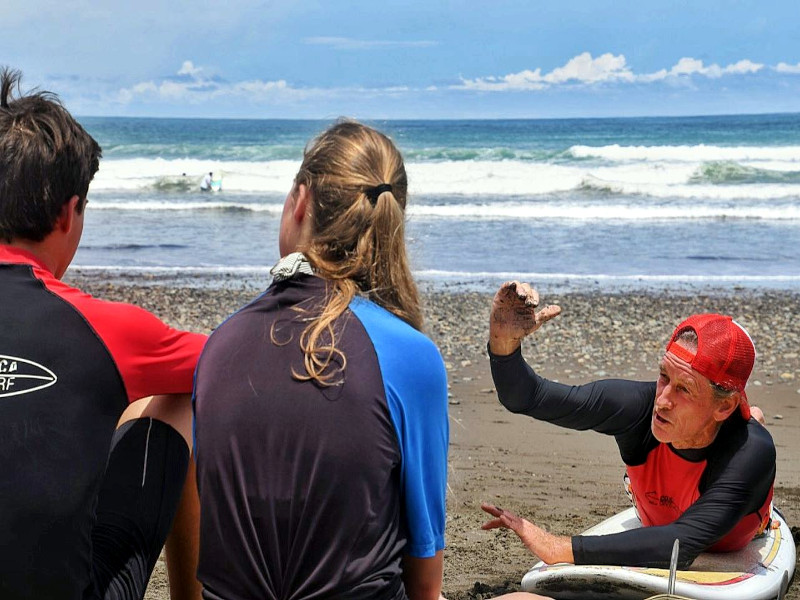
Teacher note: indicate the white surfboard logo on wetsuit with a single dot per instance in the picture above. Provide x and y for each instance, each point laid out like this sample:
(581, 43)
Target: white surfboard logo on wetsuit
(22, 376)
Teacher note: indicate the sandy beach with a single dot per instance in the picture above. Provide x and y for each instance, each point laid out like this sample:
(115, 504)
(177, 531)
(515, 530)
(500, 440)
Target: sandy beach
(561, 479)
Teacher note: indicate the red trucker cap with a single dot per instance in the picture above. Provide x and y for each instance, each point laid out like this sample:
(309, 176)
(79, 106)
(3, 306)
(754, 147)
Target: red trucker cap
(725, 352)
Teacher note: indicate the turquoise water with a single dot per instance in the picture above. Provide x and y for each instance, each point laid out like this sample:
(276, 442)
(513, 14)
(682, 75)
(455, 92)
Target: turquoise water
(644, 202)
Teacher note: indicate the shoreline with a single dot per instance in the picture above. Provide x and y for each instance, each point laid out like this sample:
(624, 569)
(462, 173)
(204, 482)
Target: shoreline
(563, 479)
(258, 278)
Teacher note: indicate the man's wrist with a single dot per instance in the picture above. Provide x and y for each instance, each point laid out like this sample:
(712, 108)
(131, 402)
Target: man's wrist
(565, 553)
(503, 346)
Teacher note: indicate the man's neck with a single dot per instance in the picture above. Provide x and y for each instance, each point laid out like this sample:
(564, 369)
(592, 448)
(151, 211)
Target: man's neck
(45, 252)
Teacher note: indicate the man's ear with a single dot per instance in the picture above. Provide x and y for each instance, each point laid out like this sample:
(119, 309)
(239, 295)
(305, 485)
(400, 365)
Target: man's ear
(66, 217)
(302, 200)
(725, 408)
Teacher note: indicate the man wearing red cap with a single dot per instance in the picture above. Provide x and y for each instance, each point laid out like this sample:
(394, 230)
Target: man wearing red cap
(699, 468)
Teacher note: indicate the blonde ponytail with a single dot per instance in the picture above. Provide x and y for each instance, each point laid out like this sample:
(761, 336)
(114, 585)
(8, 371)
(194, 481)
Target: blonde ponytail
(358, 238)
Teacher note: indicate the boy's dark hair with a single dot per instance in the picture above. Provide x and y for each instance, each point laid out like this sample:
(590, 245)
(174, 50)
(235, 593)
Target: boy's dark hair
(46, 157)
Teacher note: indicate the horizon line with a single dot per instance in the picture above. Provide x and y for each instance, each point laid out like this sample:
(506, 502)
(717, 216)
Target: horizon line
(454, 119)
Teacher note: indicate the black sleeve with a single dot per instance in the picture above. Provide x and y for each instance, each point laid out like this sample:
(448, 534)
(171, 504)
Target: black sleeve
(615, 407)
(739, 487)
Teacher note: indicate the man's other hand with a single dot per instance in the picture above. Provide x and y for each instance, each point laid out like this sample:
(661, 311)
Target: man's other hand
(548, 547)
(514, 316)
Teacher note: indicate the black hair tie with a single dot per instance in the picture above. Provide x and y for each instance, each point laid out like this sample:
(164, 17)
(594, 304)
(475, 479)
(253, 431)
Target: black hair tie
(374, 193)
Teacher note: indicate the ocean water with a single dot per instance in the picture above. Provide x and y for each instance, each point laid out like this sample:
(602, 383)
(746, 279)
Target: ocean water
(641, 203)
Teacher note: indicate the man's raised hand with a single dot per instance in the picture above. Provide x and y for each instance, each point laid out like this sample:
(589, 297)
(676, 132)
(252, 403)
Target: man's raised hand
(514, 316)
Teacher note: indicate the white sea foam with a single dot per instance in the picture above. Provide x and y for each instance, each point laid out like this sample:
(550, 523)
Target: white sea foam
(156, 205)
(459, 275)
(664, 179)
(500, 210)
(501, 178)
(696, 191)
(142, 173)
(600, 212)
(447, 177)
(536, 276)
(697, 153)
(173, 270)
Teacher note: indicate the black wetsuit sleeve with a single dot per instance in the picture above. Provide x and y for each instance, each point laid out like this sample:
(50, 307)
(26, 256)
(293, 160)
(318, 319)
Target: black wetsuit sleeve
(741, 474)
(612, 406)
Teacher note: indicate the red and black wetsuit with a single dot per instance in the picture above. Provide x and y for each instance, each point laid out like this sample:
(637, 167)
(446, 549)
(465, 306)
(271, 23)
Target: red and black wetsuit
(69, 365)
(713, 498)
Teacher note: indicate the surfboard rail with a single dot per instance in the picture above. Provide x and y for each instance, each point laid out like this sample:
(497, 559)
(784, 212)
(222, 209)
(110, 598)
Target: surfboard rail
(760, 571)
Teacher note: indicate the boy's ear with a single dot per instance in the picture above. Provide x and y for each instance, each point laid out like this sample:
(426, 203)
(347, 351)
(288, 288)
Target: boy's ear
(67, 215)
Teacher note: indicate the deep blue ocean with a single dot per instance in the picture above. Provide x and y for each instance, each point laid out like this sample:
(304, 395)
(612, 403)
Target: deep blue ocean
(576, 203)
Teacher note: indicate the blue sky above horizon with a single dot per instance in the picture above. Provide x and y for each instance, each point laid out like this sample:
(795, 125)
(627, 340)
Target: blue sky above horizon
(408, 59)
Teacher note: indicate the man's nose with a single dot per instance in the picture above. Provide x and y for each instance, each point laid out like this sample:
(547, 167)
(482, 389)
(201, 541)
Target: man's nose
(664, 399)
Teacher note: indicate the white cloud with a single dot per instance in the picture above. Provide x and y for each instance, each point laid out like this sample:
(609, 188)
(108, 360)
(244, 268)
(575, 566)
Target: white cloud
(198, 91)
(691, 66)
(343, 43)
(585, 70)
(783, 67)
(194, 87)
(195, 84)
(188, 68)
(580, 69)
(744, 66)
(687, 67)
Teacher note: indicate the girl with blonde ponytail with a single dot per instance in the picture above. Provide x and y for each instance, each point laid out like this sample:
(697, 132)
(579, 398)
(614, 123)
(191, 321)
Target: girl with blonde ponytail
(321, 409)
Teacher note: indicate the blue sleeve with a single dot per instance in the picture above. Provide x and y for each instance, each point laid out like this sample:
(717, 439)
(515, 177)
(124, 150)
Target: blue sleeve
(415, 383)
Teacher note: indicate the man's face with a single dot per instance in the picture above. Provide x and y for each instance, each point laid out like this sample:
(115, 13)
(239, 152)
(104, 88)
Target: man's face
(684, 410)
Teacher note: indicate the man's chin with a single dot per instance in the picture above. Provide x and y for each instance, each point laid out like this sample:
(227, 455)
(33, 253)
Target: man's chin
(659, 433)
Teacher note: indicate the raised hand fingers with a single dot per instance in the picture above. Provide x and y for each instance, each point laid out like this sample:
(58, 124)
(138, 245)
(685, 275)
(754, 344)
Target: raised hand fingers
(514, 290)
(528, 294)
(548, 312)
(514, 316)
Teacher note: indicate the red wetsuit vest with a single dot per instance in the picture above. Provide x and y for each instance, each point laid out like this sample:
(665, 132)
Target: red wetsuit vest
(666, 485)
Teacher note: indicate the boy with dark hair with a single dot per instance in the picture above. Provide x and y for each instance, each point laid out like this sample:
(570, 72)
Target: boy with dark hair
(91, 478)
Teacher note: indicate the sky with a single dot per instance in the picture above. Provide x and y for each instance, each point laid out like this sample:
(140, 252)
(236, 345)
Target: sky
(409, 59)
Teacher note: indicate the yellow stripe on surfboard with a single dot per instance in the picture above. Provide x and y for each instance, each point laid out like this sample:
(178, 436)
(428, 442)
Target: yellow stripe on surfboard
(703, 577)
(776, 544)
(719, 577)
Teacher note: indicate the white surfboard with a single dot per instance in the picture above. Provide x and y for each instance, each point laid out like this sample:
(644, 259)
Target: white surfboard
(760, 571)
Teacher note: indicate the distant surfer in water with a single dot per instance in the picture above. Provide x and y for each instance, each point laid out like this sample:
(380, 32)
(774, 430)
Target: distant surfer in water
(700, 464)
(94, 468)
(321, 408)
(205, 185)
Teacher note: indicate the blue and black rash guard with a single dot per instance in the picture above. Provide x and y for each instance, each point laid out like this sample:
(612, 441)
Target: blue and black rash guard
(310, 491)
(713, 498)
